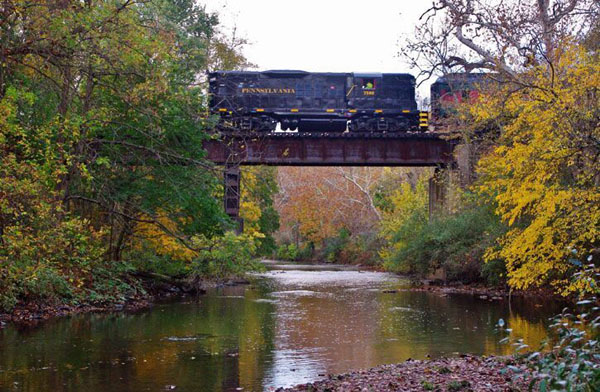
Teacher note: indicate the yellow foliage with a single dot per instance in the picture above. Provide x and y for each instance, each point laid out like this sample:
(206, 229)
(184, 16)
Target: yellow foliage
(545, 173)
(408, 210)
(250, 212)
(249, 209)
(162, 242)
(160, 236)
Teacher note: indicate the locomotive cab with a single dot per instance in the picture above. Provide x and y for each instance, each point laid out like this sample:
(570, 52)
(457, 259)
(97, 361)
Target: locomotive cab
(382, 102)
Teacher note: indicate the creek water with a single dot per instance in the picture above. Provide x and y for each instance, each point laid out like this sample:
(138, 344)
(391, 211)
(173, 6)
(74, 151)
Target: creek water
(292, 324)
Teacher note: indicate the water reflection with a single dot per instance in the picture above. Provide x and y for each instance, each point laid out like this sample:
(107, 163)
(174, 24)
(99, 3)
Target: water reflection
(287, 327)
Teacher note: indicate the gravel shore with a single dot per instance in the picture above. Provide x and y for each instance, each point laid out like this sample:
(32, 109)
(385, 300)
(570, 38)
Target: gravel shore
(466, 373)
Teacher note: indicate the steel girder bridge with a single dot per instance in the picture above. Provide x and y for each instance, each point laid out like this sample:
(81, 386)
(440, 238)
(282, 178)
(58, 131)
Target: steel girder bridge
(329, 149)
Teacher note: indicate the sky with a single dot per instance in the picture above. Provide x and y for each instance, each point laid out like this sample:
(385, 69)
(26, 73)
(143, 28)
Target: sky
(323, 35)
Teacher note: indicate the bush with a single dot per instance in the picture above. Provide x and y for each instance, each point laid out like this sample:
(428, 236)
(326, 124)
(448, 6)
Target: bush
(306, 251)
(224, 256)
(145, 259)
(287, 252)
(569, 360)
(360, 249)
(456, 243)
(57, 261)
(334, 246)
(344, 248)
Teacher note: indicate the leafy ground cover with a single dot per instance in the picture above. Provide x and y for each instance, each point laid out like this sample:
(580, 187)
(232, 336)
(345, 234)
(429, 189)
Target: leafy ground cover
(466, 373)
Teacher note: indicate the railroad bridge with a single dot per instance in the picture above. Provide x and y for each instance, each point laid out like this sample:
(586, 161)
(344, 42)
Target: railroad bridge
(331, 149)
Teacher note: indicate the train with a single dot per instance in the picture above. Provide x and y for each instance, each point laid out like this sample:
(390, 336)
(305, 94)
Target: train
(329, 102)
(454, 89)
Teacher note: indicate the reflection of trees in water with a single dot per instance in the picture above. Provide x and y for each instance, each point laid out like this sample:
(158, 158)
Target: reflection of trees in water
(233, 340)
(533, 333)
(441, 325)
(256, 341)
(340, 325)
(129, 352)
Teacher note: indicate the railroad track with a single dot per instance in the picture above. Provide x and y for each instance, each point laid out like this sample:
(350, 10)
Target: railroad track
(332, 135)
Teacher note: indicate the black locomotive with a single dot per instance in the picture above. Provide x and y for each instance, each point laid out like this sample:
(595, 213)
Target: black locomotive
(320, 102)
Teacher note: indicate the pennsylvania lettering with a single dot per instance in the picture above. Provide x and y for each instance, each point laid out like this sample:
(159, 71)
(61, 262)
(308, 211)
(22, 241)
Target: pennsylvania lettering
(258, 90)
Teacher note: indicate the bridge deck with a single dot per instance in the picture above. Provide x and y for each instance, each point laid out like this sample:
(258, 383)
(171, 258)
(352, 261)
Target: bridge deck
(331, 149)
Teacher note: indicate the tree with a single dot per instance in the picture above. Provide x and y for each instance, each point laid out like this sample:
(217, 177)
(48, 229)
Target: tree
(541, 167)
(544, 171)
(319, 202)
(505, 37)
(102, 125)
(259, 187)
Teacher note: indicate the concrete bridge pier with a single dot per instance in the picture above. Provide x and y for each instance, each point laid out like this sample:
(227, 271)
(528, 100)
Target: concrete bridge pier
(232, 178)
(439, 191)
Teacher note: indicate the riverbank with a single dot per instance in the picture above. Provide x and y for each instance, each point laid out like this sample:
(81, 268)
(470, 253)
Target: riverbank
(465, 373)
(156, 290)
(414, 283)
(159, 288)
(286, 328)
(483, 292)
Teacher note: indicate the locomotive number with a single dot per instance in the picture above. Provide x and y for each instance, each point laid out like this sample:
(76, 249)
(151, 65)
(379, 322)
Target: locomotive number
(368, 92)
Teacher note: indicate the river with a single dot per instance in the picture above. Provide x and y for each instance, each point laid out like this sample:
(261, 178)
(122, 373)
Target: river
(292, 324)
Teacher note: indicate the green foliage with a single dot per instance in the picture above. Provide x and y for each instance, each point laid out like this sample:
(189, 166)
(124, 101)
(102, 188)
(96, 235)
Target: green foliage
(456, 243)
(58, 261)
(569, 360)
(405, 214)
(259, 186)
(225, 256)
(335, 245)
(146, 259)
(287, 252)
(101, 155)
(572, 361)
(348, 248)
(494, 272)
(269, 224)
(454, 386)
(306, 251)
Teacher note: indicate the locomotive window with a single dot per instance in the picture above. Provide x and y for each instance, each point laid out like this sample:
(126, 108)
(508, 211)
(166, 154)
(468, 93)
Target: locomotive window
(368, 83)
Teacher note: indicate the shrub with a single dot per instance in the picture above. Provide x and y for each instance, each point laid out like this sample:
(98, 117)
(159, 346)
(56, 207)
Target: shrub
(360, 249)
(224, 256)
(570, 359)
(454, 242)
(306, 251)
(144, 258)
(334, 245)
(57, 261)
(287, 252)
